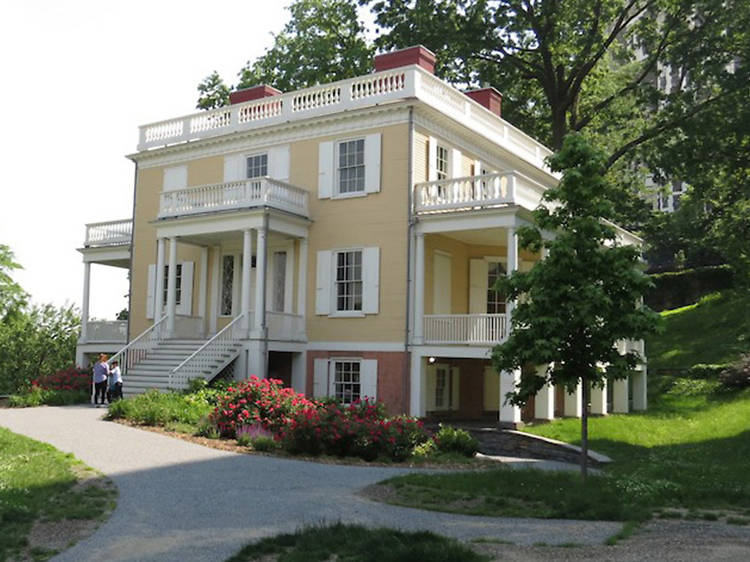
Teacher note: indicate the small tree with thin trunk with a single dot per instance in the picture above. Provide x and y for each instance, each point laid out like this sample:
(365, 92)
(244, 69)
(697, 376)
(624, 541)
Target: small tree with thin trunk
(577, 303)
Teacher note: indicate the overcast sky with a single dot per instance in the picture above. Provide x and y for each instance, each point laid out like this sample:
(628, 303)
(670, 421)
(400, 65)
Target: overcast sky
(78, 78)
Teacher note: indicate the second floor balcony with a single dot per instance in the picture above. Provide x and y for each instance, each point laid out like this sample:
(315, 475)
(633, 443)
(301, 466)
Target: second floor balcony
(234, 195)
(110, 233)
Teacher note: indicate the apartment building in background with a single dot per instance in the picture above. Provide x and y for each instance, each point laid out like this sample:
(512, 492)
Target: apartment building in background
(343, 238)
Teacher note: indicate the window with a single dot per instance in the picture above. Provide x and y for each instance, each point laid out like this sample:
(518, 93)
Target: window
(351, 166)
(495, 300)
(346, 381)
(441, 162)
(349, 281)
(441, 384)
(279, 280)
(178, 285)
(227, 285)
(257, 166)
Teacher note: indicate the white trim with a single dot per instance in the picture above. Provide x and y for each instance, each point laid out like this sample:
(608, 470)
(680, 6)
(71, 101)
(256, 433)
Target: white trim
(348, 346)
(457, 351)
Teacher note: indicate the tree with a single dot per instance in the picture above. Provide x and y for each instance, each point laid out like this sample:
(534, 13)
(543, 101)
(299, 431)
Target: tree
(577, 303)
(323, 42)
(212, 92)
(12, 296)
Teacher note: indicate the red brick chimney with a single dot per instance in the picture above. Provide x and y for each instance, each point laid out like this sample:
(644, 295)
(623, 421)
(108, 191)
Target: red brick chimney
(418, 55)
(253, 93)
(488, 97)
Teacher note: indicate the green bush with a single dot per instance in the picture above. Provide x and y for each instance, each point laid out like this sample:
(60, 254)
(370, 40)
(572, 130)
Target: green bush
(680, 288)
(737, 375)
(37, 396)
(706, 371)
(155, 408)
(264, 444)
(451, 440)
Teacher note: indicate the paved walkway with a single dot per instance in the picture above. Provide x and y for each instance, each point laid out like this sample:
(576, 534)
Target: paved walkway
(181, 501)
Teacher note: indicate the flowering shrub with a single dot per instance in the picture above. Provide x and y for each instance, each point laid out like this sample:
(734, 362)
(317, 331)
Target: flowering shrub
(72, 378)
(359, 430)
(256, 401)
(69, 386)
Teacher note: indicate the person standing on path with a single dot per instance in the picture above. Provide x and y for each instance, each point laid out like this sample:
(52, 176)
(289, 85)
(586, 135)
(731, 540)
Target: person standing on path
(115, 389)
(101, 372)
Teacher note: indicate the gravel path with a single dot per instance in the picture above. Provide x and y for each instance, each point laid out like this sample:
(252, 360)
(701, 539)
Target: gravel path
(181, 501)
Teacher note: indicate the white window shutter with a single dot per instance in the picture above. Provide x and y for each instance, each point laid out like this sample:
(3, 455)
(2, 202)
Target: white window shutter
(432, 159)
(325, 170)
(186, 289)
(235, 167)
(150, 291)
(430, 383)
(372, 163)
(477, 167)
(368, 379)
(371, 280)
(478, 286)
(278, 163)
(320, 378)
(323, 283)
(175, 178)
(455, 388)
(455, 164)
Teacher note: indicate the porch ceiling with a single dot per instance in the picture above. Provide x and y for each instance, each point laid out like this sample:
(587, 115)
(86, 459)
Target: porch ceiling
(480, 237)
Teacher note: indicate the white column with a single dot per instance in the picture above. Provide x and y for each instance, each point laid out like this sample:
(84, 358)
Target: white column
(416, 385)
(202, 289)
(419, 290)
(620, 396)
(215, 279)
(573, 404)
(159, 282)
(639, 381)
(247, 243)
(599, 400)
(544, 401)
(172, 287)
(260, 280)
(512, 265)
(302, 279)
(510, 415)
(85, 302)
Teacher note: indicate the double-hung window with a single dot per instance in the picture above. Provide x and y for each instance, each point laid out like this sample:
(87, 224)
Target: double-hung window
(441, 162)
(495, 299)
(257, 166)
(178, 284)
(227, 285)
(348, 290)
(351, 166)
(347, 386)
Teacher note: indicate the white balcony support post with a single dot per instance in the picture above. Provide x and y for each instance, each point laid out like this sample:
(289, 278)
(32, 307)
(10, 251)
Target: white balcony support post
(544, 401)
(417, 385)
(510, 414)
(639, 382)
(171, 287)
(599, 399)
(620, 396)
(573, 403)
(85, 302)
(419, 275)
(246, 259)
(202, 289)
(512, 265)
(159, 282)
(302, 279)
(260, 281)
(215, 274)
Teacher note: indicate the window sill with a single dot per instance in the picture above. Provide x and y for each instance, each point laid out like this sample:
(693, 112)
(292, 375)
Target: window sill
(347, 314)
(351, 195)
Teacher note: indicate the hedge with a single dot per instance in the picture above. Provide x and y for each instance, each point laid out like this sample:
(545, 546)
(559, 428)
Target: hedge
(681, 288)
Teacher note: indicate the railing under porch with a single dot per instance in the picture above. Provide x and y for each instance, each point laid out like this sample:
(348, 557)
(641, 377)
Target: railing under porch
(468, 329)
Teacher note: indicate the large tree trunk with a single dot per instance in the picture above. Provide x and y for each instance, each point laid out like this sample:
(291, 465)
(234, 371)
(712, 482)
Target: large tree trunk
(584, 427)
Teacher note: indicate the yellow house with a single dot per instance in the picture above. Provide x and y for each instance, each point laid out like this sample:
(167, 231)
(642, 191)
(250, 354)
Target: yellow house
(343, 238)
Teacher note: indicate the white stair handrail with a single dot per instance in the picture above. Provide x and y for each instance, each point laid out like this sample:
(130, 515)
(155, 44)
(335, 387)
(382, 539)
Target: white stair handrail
(137, 349)
(207, 353)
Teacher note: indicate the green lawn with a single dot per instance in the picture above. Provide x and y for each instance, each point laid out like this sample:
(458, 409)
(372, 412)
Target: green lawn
(37, 483)
(714, 330)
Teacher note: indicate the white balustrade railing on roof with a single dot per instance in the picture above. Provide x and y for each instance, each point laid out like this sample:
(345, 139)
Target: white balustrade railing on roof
(471, 329)
(110, 233)
(136, 350)
(410, 82)
(211, 356)
(115, 331)
(234, 195)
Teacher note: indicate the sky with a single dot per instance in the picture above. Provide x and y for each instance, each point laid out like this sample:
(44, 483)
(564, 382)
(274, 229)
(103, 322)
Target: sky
(77, 79)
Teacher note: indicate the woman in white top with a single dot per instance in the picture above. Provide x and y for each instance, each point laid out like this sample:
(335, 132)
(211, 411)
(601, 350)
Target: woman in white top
(116, 387)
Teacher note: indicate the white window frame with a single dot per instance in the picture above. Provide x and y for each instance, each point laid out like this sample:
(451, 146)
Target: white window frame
(324, 376)
(337, 193)
(333, 383)
(440, 173)
(236, 281)
(335, 311)
(247, 164)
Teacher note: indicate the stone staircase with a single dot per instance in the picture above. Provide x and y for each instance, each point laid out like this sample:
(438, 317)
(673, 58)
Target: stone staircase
(153, 371)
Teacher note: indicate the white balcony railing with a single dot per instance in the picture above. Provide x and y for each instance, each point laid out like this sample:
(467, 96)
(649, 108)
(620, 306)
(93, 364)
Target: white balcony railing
(477, 192)
(115, 331)
(471, 329)
(110, 233)
(285, 326)
(234, 195)
(410, 82)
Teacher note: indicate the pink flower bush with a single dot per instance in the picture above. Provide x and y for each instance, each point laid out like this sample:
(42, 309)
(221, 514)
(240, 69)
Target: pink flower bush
(72, 378)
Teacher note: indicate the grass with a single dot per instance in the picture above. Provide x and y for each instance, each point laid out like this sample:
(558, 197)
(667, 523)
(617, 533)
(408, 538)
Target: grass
(37, 397)
(37, 483)
(355, 543)
(723, 334)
